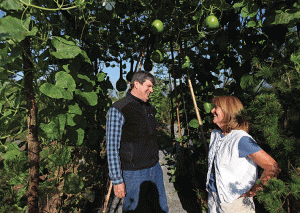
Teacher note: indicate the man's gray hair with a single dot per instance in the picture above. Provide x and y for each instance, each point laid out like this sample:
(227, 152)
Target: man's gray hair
(141, 77)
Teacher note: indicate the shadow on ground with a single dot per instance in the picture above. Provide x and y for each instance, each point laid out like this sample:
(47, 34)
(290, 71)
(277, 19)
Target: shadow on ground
(187, 196)
(187, 177)
(148, 199)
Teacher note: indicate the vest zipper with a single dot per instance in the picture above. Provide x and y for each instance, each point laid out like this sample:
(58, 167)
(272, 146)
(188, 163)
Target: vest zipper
(131, 154)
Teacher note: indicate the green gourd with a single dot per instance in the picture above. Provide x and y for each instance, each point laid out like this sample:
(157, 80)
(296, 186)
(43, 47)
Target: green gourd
(121, 83)
(130, 73)
(157, 56)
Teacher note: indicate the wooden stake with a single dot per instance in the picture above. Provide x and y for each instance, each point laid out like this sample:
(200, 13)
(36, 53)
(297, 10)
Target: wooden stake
(140, 67)
(177, 106)
(197, 112)
(107, 197)
(195, 106)
(141, 53)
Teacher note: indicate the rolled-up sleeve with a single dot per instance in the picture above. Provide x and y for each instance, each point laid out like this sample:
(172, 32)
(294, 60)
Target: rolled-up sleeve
(114, 123)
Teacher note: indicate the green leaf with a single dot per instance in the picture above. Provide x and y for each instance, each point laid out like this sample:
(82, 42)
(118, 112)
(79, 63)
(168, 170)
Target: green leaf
(18, 179)
(186, 64)
(225, 6)
(75, 135)
(51, 90)
(80, 4)
(73, 115)
(55, 128)
(247, 81)
(11, 5)
(3, 73)
(89, 98)
(72, 183)
(238, 5)
(173, 179)
(61, 156)
(11, 155)
(86, 78)
(244, 11)
(285, 18)
(2, 148)
(101, 76)
(66, 68)
(65, 48)
(252, 9)
(194, 123)
(13, 27)
(4, 49)
(168, 156)
(65, 80)
(55, 92)
(251, 24)
(75, 109)
(33, 32)
(295, 58)
(85, 56)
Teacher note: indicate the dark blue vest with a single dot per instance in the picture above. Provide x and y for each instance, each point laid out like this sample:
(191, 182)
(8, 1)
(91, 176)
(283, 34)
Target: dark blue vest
(138, 148)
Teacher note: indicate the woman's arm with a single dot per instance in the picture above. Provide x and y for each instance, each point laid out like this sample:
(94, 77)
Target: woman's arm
(270, 167)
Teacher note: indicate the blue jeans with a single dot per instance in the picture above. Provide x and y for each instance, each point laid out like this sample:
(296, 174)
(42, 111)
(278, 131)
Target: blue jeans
(145, 190)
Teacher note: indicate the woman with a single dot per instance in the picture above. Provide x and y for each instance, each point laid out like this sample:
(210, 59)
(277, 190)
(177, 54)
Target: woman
(232, 160)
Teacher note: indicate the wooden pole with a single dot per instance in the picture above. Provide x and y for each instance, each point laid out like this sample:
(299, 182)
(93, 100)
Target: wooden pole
(171, 114)
(107, 197)
(196, 107)
(197, 112)
(141, 64)
(176, 94)
(142, 53)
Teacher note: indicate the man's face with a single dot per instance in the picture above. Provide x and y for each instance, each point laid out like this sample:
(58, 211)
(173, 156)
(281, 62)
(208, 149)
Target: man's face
(144, 90)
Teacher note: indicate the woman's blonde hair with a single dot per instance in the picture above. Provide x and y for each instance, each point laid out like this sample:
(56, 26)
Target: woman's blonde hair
(232, 108)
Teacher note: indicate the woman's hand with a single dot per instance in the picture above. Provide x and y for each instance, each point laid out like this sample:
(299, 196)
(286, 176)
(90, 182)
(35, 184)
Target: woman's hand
(270, 167)
(253, 191)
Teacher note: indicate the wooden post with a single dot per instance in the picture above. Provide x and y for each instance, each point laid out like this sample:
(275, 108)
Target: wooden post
(176, 94)
(107, 197)
(196, 107)
(197, 112)
(142, 53)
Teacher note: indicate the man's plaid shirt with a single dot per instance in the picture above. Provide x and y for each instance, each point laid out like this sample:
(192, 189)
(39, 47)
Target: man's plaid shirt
(114, 123)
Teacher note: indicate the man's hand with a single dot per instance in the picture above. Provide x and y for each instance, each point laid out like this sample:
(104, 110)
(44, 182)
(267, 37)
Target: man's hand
(119, 190)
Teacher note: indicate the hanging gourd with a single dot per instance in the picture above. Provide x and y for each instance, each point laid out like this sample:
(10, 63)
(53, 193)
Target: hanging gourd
(148, 63)
(157, 56)
(121, 83)
(130, 73)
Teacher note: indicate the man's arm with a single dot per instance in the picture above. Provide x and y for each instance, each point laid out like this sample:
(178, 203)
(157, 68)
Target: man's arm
(114, 123)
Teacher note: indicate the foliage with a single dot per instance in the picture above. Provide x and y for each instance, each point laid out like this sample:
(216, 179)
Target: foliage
(160, 100)
(253, 55)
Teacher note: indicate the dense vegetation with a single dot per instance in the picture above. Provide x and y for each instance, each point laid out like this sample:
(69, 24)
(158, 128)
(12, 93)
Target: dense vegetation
(56, 111)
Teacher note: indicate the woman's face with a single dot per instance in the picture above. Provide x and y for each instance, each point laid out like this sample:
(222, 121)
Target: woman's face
(218, 115)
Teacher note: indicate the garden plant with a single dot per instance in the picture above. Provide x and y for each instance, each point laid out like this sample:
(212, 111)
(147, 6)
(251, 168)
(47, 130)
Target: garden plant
(54, 90)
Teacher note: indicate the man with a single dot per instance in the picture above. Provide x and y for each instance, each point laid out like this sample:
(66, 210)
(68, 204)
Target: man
(132, 150)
